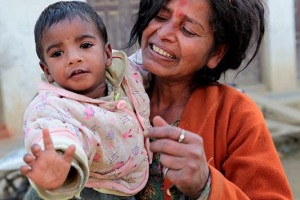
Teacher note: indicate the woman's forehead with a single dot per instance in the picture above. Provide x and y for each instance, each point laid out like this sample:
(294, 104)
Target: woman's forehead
(182, 2)
(196, 11)
(180, 6)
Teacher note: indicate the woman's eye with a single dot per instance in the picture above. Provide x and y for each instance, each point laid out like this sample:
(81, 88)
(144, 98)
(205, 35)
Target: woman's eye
(187, 32)
(56, 53)
(86, 45)
(160, 18)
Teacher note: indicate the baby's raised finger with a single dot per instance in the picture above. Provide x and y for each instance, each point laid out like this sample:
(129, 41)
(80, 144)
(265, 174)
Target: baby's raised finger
(47, 140)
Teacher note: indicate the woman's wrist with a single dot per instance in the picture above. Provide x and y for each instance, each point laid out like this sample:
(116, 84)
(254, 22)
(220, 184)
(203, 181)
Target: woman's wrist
(201, 195)
(206, 191)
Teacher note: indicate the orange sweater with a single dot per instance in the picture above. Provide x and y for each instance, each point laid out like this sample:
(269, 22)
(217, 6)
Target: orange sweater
(245, 164)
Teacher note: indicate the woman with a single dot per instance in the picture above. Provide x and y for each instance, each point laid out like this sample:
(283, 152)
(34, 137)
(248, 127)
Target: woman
(218, 146)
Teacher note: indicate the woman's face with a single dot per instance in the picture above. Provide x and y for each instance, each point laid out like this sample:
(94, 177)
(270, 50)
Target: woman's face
(179, 40)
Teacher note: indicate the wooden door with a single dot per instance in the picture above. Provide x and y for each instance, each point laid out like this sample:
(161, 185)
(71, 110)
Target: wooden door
(118, 18)
(297, 27)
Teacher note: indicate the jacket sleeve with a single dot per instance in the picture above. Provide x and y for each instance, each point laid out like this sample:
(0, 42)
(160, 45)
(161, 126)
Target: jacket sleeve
(45, 114)
(251, 168)
(243, 160)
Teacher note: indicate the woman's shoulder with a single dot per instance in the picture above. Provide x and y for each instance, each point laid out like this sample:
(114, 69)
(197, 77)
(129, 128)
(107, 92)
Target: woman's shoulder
(222, 92)
(222, 96)
(237, 96)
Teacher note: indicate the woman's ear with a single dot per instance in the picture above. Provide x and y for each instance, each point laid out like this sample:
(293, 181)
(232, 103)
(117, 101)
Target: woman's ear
(46, 71)
(217, 55)
(108, 54)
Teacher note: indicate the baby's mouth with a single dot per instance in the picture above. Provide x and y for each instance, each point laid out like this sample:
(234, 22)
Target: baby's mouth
(161, 52)
(78, 72)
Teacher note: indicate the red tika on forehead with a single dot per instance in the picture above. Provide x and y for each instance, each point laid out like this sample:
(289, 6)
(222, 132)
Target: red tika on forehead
(182, 3)
(179, 12)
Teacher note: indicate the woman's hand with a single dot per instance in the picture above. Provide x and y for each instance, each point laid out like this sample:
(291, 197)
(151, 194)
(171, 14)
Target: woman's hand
(47, 168)
(184, 162)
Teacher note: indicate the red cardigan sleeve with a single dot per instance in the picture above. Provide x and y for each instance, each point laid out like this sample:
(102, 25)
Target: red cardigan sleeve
(244, 162)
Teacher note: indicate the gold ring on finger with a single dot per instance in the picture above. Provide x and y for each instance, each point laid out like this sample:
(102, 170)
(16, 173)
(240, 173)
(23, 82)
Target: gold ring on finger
(181, 136)
(166, 171)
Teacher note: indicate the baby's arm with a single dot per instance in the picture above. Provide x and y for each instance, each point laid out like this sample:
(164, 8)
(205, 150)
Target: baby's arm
(47, 168)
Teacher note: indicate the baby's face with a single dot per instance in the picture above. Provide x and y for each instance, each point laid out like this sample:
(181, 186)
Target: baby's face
(76, 56)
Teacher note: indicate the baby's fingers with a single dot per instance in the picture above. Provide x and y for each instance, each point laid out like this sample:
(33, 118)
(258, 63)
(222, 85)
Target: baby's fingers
(47, 140)
(36, 150)
(25, 170)
(29, 159)
(69, 153)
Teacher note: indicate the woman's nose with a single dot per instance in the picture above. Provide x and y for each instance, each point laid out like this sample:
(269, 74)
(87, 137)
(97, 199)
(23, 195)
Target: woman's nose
(167, 31)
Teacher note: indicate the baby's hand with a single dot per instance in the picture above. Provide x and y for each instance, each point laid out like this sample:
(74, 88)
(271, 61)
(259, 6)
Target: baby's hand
(48, 169)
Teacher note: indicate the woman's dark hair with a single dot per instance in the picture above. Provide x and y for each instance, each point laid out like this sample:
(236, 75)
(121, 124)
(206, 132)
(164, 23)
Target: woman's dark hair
(240, 24)
(60, 11)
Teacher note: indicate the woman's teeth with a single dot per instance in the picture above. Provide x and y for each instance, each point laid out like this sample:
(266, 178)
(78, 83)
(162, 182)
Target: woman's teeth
(161, 52)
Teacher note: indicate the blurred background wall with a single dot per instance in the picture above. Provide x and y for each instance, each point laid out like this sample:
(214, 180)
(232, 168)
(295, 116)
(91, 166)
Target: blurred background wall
(19, 69)
(276, 68)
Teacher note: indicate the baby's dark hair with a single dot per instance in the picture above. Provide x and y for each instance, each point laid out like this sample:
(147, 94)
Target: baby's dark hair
(239, 24)
(63, 10)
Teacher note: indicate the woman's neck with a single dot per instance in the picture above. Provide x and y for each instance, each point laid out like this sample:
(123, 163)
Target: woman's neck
(168, 99)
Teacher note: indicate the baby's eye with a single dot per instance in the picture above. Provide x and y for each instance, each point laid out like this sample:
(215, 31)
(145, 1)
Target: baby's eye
(56, 53)
(86, 45)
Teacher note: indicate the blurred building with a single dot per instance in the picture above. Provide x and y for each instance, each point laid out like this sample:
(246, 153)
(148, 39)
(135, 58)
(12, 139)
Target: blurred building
(276, 68)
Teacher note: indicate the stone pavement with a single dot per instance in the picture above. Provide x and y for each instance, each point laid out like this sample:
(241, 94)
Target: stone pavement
(291, 165)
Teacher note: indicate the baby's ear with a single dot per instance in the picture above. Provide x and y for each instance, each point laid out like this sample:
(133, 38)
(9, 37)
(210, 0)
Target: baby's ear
(46, 71)
(108, 54)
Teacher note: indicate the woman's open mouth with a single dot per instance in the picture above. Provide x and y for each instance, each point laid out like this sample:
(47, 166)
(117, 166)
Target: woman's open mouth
(161, 51)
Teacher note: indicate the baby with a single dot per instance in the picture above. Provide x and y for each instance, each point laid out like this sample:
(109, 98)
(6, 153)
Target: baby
(84, 129)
